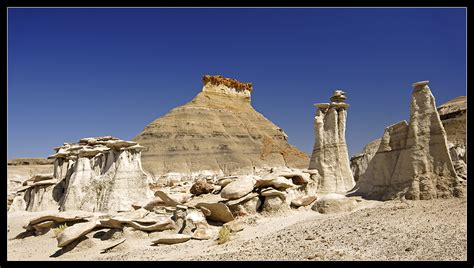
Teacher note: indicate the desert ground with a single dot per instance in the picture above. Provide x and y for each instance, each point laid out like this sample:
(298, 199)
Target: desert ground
(391, 230)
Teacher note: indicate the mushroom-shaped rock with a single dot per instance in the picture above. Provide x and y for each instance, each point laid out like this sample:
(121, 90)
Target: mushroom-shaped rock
(238, 188)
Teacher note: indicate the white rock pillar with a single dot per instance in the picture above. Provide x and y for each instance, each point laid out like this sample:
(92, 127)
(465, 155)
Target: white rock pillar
(330, 155)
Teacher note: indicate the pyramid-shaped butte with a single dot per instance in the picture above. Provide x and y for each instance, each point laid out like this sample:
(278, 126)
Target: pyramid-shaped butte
(218, 131)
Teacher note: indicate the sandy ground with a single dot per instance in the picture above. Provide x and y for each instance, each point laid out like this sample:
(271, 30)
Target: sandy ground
(416, 230)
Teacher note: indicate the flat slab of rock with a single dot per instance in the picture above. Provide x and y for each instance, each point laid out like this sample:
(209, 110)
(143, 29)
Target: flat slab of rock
(164, 223)
(60, 217)
(273, 192)
(238, 188)
(334, 205)
(132, 215)
(303, 200)
(242, 199)
(275, 182)
(298, 178)
(220, 212)
(173, 199)
(72, 233)
(170, 239)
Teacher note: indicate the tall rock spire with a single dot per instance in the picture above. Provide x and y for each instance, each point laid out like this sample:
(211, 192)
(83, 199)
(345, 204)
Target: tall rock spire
(330, 156)
(413, 159)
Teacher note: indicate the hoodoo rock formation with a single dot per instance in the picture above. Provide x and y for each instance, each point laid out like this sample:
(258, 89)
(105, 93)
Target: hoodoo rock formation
(453, 117)
(330, 156)
(412, 159)
(96, 174)
(216, 132)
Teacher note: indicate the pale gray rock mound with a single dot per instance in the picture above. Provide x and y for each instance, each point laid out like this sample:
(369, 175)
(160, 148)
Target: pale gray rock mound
(218, 131)
(330, 155)
(360, 161)
(413, 158)
(334, 204)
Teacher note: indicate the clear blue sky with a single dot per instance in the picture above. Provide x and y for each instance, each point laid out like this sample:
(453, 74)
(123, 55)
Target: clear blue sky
(76, 73)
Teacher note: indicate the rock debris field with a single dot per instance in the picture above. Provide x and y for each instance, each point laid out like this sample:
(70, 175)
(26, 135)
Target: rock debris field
(392, 230)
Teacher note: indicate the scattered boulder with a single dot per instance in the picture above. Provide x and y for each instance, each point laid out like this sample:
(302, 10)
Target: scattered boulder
(219, 212)
(334, 203)
(274, 203)
(246, 205)
(238, 188)
(201, 186)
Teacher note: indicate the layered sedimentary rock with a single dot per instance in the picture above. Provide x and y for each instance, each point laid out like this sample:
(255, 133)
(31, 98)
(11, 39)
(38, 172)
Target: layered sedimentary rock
(412, 159)
(96, 174)
(216, 132)
(453, 117)
(330, 156)
(360, 161)
(22, 169)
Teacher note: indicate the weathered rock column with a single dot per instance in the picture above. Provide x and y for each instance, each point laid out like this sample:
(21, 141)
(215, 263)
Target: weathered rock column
(330, 156)
(413, 158)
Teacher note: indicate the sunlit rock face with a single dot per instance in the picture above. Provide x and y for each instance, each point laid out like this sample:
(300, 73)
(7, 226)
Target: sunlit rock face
(453, 116)
(218, 132)
(96, 174)
(413, 158)
(330, 155)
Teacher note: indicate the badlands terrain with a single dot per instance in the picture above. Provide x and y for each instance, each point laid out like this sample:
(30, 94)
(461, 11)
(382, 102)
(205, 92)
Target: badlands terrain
(219, 181)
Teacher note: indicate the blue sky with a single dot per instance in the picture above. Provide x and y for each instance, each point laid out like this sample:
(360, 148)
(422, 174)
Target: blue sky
(76, 73)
